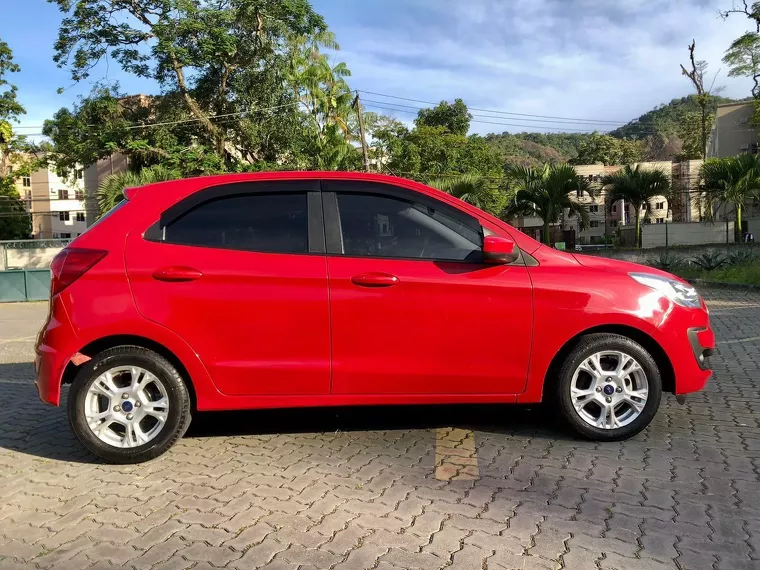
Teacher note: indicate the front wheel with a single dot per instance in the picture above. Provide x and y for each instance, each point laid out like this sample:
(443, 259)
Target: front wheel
(128, 405)
(609, 387)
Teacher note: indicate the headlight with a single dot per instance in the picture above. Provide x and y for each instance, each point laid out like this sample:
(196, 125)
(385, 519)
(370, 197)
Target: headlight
(678, 292)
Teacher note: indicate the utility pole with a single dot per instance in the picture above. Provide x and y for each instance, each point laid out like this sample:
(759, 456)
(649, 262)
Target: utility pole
(358, 106)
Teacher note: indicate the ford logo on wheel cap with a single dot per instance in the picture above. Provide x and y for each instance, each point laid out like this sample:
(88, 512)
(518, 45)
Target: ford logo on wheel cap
(609, 389)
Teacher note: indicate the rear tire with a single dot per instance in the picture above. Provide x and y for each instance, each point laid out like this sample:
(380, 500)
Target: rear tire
(128, 405)
(609, 387)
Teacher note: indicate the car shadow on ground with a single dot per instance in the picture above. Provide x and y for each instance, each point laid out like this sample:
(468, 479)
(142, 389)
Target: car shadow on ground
(31, 427)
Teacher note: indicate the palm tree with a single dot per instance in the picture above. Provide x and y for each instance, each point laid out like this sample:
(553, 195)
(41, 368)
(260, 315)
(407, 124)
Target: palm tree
(473, 189)
(638, 187)
(546, 192)
(734, 179)
(111, 189)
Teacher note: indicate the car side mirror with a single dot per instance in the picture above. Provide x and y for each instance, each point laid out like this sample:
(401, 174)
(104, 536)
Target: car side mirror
(499, 250)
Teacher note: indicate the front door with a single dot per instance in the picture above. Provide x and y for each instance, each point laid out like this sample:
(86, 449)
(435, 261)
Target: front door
(239, 272)
(413, 309)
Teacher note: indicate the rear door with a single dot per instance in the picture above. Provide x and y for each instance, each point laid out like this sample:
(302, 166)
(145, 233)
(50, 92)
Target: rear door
(414, 310)
(239, 272)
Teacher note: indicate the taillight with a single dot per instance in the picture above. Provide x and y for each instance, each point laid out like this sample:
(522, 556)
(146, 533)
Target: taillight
(70, 264)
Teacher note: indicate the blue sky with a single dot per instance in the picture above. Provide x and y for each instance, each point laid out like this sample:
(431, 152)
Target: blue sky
(601, 59)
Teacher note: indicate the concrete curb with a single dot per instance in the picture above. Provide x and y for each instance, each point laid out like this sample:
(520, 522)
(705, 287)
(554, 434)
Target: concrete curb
(724, 285)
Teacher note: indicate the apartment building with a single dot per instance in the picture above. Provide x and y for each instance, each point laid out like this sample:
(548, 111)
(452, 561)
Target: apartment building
(56, 205)
(64, 207)
(733, 133)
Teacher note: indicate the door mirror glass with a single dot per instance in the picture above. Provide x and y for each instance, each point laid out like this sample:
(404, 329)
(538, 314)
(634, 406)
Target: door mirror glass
(499, 250)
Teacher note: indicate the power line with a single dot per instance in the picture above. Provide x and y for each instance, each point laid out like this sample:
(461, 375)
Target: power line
(494, 110)
(489, 116)
(493, 122)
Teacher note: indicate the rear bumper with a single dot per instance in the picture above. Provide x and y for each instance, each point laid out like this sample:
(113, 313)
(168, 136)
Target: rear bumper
(56, 343)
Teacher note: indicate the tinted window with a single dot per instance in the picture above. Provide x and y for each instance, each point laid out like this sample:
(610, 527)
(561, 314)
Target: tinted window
(255, 222)
(382, 226)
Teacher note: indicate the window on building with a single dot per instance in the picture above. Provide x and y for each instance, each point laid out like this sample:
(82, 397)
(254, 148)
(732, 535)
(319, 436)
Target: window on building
(26, 181)
(79, 194)
(660, 220)
(63, 194)
(64, 216)
(594, 223)
(384, 226)
(80, 216)
(274, 223)
(590, 176)
(56, 235)
(659, 206)
(28, 194)
(579, 193)
(614, 208)
(65, 235)
(594, 208)
(79, 174)
(613, 223)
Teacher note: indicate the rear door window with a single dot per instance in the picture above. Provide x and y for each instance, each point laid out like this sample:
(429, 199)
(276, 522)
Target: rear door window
(269, 223)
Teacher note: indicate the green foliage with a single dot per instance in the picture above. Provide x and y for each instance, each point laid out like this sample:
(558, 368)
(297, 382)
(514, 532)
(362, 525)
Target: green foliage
(709, 261)
(741, 257)
(474, 189)
(10, 108)
(665, 262)
(455, 117)
(666, 118)
(546, 192)
(230, 58)
(15, 222)
(743, 59)
(689, 130)
(609, 150)
(637, 186)
(532, 149)
(734, 180)
(111, 190)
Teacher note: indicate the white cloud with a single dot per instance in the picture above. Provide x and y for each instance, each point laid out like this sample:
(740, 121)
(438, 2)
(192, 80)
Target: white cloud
(577, 58)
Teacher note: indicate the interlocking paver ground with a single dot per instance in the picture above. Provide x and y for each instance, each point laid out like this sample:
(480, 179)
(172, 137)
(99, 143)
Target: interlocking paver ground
(357, 488)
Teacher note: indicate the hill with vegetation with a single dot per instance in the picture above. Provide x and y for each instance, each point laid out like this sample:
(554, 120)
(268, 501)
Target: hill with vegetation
(662, 128)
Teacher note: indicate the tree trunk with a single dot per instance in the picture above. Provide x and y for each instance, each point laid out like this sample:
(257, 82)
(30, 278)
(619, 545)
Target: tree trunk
(638, 225)
(738, 224)
(547, 239)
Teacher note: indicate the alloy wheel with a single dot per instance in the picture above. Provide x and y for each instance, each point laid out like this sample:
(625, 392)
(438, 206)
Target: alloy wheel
(126, 406)
(609, 389)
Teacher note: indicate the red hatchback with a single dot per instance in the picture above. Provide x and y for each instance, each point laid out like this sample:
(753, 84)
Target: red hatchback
(330, 288)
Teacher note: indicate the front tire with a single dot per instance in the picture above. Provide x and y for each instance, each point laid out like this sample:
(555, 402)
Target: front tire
(609, 387)
(128, 405)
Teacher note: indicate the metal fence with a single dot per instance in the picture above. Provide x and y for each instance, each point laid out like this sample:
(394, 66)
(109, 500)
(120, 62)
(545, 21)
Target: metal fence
(24, 285)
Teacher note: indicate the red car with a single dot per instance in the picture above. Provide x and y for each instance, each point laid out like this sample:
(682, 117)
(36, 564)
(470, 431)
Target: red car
(295, 289)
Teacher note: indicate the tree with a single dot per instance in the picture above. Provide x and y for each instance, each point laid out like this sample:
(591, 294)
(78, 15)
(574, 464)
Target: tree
(474, 189)
(734, 180)
(204, 52)
(455, 117)
(697, 77)
(689, 131)
(546, 192)
(637, 186)
(14, 219)
(609, 150)
(743, 59)
(111, 189)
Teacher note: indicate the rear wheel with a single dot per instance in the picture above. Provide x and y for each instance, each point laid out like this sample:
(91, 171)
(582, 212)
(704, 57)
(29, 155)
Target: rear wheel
(128, 405)
(609, 387)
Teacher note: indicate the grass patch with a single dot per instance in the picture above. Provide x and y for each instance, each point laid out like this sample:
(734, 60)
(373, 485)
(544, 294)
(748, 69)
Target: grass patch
(746, 274)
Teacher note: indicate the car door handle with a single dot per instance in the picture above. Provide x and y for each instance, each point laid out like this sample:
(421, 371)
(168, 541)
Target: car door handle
(374, 280)
(177, 274)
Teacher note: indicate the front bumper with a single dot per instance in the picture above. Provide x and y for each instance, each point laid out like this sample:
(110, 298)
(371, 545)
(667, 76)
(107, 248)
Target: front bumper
(702, 341)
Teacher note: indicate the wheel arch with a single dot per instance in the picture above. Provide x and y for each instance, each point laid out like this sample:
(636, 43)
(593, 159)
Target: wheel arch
(104, 343)
(661, 358)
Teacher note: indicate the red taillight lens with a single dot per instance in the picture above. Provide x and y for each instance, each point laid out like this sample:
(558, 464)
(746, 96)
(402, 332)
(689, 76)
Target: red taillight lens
(70, 265)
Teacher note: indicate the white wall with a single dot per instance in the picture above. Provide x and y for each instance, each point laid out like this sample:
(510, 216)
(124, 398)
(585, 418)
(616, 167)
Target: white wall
(683, 233)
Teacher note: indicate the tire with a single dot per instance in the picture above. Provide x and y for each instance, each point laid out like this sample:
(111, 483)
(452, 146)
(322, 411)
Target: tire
(623, 395)
(162, 394)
